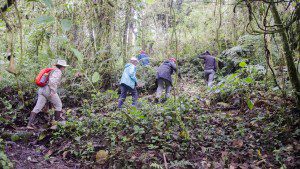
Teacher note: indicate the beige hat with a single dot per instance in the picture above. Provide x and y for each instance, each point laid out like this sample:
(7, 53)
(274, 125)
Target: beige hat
(134, 59)
(62, 63)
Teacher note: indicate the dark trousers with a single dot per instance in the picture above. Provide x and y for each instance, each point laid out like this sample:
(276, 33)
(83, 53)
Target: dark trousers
(124, 89)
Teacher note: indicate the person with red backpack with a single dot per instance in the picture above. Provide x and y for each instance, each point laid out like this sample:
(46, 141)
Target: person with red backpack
(48, 81)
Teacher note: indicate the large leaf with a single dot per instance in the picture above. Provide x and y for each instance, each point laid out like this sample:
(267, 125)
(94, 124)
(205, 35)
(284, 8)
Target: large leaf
(44, 19)
(242, 64)
(95, 77)
(48, 3)
(250, 104)
(150, 1)
(78, 54)
(66, 24)
(248, 80)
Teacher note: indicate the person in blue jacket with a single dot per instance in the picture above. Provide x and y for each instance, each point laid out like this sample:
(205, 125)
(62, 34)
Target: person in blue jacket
(143, 58)
(129, 82)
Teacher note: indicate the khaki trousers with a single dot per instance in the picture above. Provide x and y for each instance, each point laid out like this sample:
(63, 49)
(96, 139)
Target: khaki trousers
(43, 97)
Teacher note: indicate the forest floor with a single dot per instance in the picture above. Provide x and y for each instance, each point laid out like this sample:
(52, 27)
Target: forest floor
(250, 147)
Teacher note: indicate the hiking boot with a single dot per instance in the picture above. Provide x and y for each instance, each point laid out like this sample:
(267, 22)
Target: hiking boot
(30, 124)
(57, 116)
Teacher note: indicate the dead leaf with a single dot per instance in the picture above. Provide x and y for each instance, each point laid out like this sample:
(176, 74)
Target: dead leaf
(65, 154)
(238, 143)
(32, 160)
(101, 156)
(54, 127)
(224, 155)
(222, 104)
(49, 153)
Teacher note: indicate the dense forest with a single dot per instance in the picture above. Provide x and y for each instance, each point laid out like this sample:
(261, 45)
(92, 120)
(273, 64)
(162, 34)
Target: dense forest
(230, 69)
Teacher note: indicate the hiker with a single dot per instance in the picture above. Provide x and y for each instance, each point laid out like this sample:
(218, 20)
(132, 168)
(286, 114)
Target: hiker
(143, 58)
(129, 82)
(164, 78)
(49, 93)
(210, 67)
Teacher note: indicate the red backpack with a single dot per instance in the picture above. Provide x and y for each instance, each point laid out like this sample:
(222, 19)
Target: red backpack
(43, 77)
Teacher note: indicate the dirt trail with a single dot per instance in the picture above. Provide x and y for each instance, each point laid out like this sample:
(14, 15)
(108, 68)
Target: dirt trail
(28, 155)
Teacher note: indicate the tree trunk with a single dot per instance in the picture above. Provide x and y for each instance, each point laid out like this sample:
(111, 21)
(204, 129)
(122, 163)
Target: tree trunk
(288, 54)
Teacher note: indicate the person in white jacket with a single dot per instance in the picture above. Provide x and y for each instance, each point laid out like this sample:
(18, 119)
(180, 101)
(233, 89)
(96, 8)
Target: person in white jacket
(49, 93)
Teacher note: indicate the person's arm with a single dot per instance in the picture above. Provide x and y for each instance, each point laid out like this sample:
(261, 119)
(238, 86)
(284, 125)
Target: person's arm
(173, 66)
(132, 73)
(215, 64)
(200, 56)
(54, 80)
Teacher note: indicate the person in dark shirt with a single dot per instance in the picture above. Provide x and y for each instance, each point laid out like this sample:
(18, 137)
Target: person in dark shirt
(164, 77)
(210, 67)
(143, 58)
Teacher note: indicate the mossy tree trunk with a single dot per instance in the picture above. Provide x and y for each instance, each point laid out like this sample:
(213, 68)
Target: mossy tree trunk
(294, 78)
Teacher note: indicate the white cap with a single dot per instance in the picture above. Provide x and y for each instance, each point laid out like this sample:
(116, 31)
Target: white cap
(62, 63)
(134, 59)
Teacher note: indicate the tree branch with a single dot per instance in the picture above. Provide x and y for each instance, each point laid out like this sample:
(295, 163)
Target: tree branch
(6, 6)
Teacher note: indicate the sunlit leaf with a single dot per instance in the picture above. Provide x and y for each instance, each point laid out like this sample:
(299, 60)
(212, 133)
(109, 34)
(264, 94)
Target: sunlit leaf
(95, 77)
(44, 19)
(150, 1)
(66, 24)
(248, 80)
(78, 54)
(242, 64)
(250, 104)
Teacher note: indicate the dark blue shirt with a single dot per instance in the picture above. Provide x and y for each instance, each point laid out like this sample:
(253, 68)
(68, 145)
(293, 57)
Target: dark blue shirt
(144, 59)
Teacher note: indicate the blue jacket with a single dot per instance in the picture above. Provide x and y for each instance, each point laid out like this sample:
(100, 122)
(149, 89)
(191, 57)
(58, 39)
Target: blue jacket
(129, 76)
(144, 58)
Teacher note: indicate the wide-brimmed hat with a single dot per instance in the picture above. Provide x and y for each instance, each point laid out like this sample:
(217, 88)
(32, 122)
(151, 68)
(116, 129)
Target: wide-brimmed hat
(134, 59)
(62, 63)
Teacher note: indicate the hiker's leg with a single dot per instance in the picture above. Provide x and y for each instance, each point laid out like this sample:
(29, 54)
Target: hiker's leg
(122, 95)
(39, 104)
(134, 94)
(57, 104)
(37, 108)
(206, 75)
(168, 88)
(211, 78)
(160, 87)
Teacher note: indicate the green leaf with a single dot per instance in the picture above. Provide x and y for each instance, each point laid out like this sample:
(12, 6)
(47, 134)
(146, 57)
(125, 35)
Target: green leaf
(150, 2)
(15, 138)
(248, 80)
(250, 104)
(44, 19)
(242, 64)
(95, 77)
(78, 54)
(48, 3)
(66, 24)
